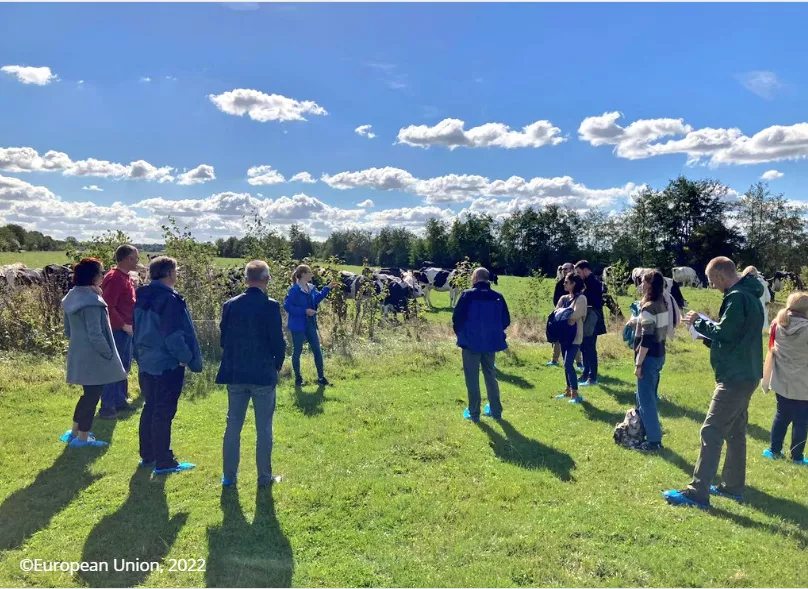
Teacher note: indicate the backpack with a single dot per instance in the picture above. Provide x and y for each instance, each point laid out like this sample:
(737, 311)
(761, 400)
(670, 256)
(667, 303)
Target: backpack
(630, 432)
(558, 330)
(629, 331)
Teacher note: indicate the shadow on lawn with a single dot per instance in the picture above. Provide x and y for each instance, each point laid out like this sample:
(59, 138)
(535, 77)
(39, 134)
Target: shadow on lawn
(243, 554)
(515, 380)
(668, 408)
(140, 529)
(31, 509)
(515, 448)
(310, 404)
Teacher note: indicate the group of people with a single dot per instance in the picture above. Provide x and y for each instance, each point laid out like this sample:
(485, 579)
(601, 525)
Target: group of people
(736, 356)
(108, 323)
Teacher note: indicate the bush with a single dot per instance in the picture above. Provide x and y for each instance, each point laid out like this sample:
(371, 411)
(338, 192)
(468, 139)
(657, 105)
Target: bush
(31, 319)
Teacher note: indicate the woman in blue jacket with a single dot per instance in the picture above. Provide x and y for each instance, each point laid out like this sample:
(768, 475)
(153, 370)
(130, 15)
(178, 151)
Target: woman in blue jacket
(301, 305)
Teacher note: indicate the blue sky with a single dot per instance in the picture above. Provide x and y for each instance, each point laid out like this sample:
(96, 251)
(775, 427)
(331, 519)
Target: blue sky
(715, 67)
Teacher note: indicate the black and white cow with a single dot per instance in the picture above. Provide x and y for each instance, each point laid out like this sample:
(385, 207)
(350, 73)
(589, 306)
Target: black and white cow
(398, 292)
(437, 279)
(778, 280)
(397, 272)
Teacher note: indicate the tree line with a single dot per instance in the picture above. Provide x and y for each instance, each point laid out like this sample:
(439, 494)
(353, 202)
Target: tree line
(686, 223)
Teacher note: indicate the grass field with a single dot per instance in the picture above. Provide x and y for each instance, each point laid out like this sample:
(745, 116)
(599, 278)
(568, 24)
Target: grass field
(386, 484)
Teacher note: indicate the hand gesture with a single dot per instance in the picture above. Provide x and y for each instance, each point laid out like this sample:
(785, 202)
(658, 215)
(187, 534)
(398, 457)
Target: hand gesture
(333, 284)
(690, 318)
(127, 329)
(638, 372)
(310, 312)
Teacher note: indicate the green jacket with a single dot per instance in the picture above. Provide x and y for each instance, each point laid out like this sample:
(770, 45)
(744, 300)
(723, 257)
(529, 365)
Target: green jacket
(736, 350)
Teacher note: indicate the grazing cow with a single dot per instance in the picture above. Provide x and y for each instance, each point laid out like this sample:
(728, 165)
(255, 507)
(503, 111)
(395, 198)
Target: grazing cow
(397, 272)
(778, 280)
(671, 285)
(439, 280)
(686, 276)
(399, 292)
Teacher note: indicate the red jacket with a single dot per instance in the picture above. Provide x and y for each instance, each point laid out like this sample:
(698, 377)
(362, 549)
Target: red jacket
(119, 294)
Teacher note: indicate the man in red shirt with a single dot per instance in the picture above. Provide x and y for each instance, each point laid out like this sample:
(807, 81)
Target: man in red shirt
(119, 294)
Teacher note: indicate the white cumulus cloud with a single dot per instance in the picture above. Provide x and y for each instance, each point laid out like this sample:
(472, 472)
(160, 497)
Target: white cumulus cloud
(642, 139)
(772, 175)
(304, 177)
(39, 76)
(199, 175)
(261, 175)
(451, 133)
(458, 188)
(365, 131)
(764, 84)
(365, 204)
(264, 107)
(92, 188)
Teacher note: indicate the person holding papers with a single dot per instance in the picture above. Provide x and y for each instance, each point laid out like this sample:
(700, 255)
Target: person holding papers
(736, 356)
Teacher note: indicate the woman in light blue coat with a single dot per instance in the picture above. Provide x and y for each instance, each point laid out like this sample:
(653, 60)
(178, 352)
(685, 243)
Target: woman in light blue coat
(92, 359)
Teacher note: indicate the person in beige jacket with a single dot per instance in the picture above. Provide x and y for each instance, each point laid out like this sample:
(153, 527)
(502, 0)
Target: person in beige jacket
(786, 373)
(573, 286)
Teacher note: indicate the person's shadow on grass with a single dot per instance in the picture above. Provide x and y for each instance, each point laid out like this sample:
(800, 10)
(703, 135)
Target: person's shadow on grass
(140, 529)
(310, 404)
(515, 448)
(515, 380)
(31, 509)
(243, 554)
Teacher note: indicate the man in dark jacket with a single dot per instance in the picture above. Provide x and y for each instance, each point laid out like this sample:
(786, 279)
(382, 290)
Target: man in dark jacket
(253, 352)
(594, 325)
(165, 344)
(559, 292)
(736, 356)
(479, 321)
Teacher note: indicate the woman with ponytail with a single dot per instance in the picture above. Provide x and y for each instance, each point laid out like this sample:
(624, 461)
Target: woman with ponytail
(786, 373)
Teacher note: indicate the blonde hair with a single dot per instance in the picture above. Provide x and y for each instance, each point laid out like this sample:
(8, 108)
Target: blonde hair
(300, 271)
(723, 266)
(797, 303)
(750, 270)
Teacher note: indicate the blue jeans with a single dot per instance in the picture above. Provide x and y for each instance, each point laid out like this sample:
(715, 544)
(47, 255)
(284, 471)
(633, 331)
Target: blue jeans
(796, 413)
(589, 351)
(301, 337)
(263, 398)
(472, 361)
(647, 397)
(568, 352)
(114, 394)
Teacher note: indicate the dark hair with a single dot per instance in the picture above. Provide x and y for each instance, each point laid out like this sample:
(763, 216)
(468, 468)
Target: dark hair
(124, 251)
(583, 265)
(86, 271)
(577, 281)
(161, 267)
(657, 283)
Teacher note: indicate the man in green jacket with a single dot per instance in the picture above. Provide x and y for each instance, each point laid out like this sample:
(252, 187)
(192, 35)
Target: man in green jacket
(736, 356)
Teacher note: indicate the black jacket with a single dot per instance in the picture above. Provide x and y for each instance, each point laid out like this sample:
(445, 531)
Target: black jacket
(252, 340)
(480, 319)
(559, 292)
(593, 290)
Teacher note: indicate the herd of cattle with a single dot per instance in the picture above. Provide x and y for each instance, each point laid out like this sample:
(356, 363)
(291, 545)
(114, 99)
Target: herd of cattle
(396, 286)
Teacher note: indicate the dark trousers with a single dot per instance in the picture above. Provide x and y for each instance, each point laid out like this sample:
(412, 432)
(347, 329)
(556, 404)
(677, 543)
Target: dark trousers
(85, 408)
(115, 393)
(589, 350)
(794, 412)
(301, 337)
(569, 353)
(472, 362)
(726, 421)
(161, 394)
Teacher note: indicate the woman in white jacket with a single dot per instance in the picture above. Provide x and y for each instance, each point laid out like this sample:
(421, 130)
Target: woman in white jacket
(786, 372)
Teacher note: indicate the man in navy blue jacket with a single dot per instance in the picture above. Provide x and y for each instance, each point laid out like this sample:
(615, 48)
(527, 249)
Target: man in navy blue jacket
(253, 353)
(165, 343)
(479, 320)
